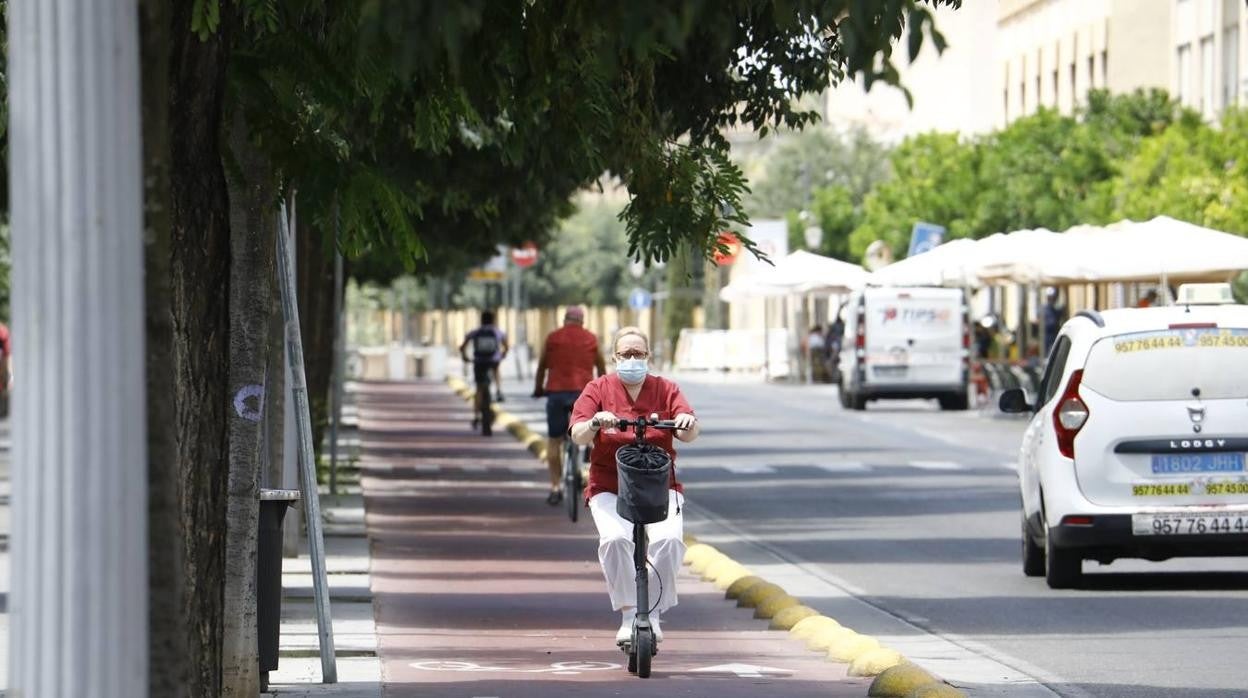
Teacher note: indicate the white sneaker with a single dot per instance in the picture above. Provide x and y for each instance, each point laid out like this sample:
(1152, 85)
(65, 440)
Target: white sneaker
(625, 633)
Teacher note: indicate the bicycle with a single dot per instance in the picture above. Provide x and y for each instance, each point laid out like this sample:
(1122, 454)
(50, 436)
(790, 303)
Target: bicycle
(573, 483)
(483, 410)
(642, 646)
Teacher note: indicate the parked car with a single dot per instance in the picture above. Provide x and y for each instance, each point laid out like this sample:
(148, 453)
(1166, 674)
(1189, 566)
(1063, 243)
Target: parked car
(905, 342)
(1137, 443)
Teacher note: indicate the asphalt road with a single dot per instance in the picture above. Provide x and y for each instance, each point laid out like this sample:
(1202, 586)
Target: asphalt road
(902, 522)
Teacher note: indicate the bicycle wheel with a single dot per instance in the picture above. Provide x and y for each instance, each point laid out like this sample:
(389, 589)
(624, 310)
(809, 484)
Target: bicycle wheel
(570, 479)
(487, 415)
(643, 647)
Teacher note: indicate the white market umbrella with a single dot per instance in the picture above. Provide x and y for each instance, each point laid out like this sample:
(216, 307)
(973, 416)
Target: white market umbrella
(945, 264)
(1161, 249)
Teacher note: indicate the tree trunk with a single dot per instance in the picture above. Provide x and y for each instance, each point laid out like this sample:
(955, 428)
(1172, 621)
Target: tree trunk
(200, 311)
(316, 316)
(168, 668)
(253, 255)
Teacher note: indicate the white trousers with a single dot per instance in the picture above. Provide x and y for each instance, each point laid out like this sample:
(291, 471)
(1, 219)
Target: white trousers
(615, 551)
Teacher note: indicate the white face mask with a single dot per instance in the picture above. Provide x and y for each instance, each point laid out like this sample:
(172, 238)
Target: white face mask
(632, 371)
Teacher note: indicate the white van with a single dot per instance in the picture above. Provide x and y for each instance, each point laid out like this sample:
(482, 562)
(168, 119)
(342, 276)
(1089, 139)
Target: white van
(905, 342)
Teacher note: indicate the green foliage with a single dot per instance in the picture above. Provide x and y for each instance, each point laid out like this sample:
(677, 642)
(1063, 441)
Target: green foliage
(586, 261)
(801, 163)
(935, 179)
(1192, 172)
(1043, 170)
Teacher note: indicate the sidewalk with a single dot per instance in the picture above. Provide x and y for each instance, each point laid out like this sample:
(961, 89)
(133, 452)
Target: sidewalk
(479, 588)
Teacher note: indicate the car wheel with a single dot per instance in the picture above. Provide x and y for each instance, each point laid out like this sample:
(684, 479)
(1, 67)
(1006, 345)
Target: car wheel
(1033, 555)
(843, 394)
(1063, 569)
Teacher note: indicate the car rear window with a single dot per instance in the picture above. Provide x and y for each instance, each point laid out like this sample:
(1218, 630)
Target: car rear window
(1168, 364)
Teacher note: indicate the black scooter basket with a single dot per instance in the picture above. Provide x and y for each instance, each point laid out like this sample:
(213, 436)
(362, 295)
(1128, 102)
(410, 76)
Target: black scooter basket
(645, 474)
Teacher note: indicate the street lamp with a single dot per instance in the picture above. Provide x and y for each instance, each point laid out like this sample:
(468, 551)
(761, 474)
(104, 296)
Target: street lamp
(814, 237)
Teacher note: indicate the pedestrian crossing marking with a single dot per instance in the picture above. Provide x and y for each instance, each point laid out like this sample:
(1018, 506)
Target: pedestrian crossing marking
(934, 465)
(751, 469)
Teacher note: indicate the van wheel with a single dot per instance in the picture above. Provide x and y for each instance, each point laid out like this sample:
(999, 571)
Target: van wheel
(857, 401)
(1063, 569)
(843, 394)
(1033, 555)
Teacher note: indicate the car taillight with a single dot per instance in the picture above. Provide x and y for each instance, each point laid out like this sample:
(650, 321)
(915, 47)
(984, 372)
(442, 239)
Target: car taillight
(1070, 416)
(861, 340)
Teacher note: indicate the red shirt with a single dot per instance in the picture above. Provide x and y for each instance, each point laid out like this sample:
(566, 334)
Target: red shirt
(658, 395)
(571, 353)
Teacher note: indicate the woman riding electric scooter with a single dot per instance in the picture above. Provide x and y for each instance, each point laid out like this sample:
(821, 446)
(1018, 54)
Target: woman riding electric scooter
(631, 393)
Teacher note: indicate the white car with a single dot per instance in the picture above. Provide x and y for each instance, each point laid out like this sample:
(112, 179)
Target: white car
(1137, 443)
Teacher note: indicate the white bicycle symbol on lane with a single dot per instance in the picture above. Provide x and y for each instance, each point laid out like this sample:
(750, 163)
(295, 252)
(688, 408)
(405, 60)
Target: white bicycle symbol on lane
(562, 668)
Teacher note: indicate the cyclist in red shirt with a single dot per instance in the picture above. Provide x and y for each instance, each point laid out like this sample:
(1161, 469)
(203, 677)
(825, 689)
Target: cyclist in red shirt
(629, 393)
(570, 359)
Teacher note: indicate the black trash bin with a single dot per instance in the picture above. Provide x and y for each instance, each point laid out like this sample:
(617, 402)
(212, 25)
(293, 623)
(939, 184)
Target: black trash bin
(273, 504)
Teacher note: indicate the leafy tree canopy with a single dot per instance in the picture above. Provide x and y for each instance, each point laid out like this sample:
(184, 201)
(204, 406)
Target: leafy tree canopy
(473, 122)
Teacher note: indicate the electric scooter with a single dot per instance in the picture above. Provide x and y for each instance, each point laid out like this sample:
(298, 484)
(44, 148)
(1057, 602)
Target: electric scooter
(642, 645)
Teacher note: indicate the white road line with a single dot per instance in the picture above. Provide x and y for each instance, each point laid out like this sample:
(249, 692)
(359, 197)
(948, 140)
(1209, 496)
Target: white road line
(1010, 465)
(751, 469)
(846, 467)
(934, 465)
(426, 468)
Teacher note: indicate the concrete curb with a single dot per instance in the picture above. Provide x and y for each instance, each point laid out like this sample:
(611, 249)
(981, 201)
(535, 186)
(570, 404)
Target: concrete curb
(895, 676)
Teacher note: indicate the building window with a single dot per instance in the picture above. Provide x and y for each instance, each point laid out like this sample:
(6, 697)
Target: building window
(1005, 104)
(1207, 106)
(1183, 87)
(1092, 71)
(1074, 88)
(1230, 66)
(1105, 69)
(1039, 95)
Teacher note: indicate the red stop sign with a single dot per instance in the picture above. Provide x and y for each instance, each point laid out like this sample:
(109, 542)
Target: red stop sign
(525, 255)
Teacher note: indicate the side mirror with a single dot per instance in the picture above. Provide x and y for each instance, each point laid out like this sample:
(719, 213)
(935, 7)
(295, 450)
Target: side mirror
(1014, 401)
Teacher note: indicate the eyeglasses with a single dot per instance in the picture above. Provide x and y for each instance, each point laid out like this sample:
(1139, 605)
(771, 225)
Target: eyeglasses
(632, 354)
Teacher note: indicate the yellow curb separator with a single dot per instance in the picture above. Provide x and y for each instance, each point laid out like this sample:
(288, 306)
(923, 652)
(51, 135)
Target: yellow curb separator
(742, 585)
(759, 593)
(939, 689)
(900, 681)
(872, 662)
(788, 617)
(806, 628)
(770, 607)
(825, 638)
(847, 648)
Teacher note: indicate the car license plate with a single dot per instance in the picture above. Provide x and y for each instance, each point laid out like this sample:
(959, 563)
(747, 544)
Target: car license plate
(1176, 463)
(1188, 524)
(891, 371)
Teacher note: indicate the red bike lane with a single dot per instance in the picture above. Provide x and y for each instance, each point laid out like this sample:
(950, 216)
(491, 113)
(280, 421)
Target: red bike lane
(482, 590)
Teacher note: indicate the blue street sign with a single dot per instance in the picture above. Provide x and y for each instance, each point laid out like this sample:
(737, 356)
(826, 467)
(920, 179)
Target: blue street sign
(639, 299)
(925, 236)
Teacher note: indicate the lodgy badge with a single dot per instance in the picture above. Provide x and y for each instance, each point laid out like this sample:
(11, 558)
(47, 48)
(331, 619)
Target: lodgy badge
(1197, 443)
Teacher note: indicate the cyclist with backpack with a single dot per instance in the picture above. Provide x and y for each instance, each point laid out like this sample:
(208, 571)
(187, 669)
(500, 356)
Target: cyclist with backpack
(489, 348)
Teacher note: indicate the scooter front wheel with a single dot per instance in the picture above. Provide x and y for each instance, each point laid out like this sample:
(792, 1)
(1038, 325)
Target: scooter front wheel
(643, 651)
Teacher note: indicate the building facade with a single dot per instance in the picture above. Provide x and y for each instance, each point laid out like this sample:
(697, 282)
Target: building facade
(1208, 71)
(1052, 52)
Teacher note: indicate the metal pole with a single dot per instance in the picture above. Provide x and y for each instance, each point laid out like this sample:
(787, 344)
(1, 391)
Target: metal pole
(335, 394)
(79, 598)
(307, 459)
